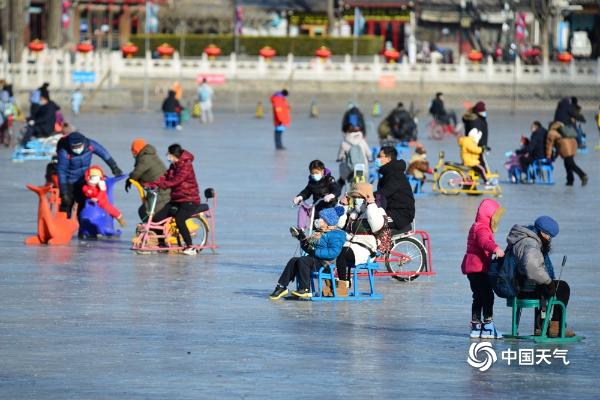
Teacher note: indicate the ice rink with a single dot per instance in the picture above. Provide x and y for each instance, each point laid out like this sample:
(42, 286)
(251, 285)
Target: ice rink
(93, 320)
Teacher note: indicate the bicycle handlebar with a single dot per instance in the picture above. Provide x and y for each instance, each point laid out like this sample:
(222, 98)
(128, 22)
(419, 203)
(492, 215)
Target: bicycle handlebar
(306, 205)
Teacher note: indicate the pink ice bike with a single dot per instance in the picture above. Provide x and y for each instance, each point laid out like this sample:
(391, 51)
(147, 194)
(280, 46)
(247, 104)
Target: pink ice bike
(201, 226)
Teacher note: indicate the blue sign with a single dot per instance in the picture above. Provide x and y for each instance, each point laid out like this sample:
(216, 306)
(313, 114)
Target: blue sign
(83, 77)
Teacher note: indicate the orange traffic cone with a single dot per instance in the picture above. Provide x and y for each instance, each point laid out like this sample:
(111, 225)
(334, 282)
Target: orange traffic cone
(54, 227)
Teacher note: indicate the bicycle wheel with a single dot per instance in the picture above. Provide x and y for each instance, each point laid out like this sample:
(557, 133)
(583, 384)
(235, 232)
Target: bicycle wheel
(450, 181)
(198, 227)
(409, 256)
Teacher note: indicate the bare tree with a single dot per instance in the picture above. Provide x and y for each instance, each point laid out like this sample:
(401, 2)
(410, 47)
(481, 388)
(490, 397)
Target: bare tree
(543, 12)
(330, 17)
(54, 23)
(17, 29)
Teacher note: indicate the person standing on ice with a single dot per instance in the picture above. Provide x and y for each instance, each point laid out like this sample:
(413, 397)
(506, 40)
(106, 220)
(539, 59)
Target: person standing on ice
(281, 116)
(476, 262)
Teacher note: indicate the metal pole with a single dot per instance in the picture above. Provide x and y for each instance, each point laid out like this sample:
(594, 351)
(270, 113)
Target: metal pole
(355, 51)
(147, 49)
(236, 38)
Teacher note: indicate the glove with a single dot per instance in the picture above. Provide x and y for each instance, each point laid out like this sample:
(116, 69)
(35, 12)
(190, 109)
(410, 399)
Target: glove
(297, 200)
(127, 185)
(328, 197)
(297, 233)
(114, 168)
(116, 171)
(31, 122)
(102, 186)
(307, 247)
(550, 289)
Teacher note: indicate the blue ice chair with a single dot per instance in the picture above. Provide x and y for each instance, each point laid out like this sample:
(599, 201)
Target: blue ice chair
(171, 120)
(328, 273)
(514, 175)
(416, 184)
(540, 172)
(36, 149)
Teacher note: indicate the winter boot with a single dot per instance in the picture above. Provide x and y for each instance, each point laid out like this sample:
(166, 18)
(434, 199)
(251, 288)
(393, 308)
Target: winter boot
(489, 331)
(554, 330)
(327, 292)
(342, 288)
(475, 330)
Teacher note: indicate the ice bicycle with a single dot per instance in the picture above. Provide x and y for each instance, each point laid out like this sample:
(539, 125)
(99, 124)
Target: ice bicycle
(453, 178)
(201, 226)
(409, 258)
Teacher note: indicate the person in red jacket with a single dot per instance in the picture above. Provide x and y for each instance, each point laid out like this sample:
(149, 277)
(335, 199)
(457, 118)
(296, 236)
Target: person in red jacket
(281, 116)
(95, 189)
(476, 262)
(185, 196)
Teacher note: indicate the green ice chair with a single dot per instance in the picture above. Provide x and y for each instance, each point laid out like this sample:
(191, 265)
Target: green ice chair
(519, 304)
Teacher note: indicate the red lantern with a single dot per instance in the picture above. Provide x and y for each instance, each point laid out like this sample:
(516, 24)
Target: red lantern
(564, 57)
(267, 52)
(165, 50)
(84, 47)
(129, 49)
(391, 55)
(323, 53)
(212, 51)
(475, 56)
(36, 45)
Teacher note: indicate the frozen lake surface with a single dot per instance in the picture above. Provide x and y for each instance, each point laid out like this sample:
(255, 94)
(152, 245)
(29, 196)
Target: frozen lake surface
(92, 320)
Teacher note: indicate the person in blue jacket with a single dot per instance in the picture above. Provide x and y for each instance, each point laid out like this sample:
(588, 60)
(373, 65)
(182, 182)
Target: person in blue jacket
(322, 248)
(74, 153)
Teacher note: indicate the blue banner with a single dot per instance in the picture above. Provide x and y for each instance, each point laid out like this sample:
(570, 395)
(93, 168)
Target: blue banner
(83, 77)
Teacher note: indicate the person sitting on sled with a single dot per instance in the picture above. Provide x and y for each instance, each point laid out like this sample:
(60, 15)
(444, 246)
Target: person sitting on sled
(470, 152)
(322, 248)
(95, 189)
(363, 219)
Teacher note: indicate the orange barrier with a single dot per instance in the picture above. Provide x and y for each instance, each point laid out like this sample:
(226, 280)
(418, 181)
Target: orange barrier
(53, 226)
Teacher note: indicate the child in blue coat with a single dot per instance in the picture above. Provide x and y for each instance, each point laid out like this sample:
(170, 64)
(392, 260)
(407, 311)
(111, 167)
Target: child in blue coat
(322, 248)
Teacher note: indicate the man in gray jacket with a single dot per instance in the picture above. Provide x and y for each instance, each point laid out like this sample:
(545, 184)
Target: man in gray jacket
(530, 247)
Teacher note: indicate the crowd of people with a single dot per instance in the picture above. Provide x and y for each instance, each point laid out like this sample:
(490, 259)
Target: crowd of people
(351, 227)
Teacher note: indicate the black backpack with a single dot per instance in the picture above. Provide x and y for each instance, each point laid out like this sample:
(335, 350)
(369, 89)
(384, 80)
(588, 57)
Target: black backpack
(503, 275)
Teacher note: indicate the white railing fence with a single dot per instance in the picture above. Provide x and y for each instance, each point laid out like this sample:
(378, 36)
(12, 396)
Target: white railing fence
(109, 68)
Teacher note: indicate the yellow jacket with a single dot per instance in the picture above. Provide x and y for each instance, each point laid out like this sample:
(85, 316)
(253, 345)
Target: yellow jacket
(469, 151)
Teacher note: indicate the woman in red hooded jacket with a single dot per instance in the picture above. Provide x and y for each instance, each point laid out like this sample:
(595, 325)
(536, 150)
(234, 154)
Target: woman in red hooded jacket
(185, 196)
(476, 262)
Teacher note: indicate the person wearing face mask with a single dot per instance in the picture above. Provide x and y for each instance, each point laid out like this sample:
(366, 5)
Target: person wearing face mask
(394, 192)
(321, 248)
(531, 246)
(361, 222)
(185, 195)
(321, 185)
(74, 153)
(476, 118)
